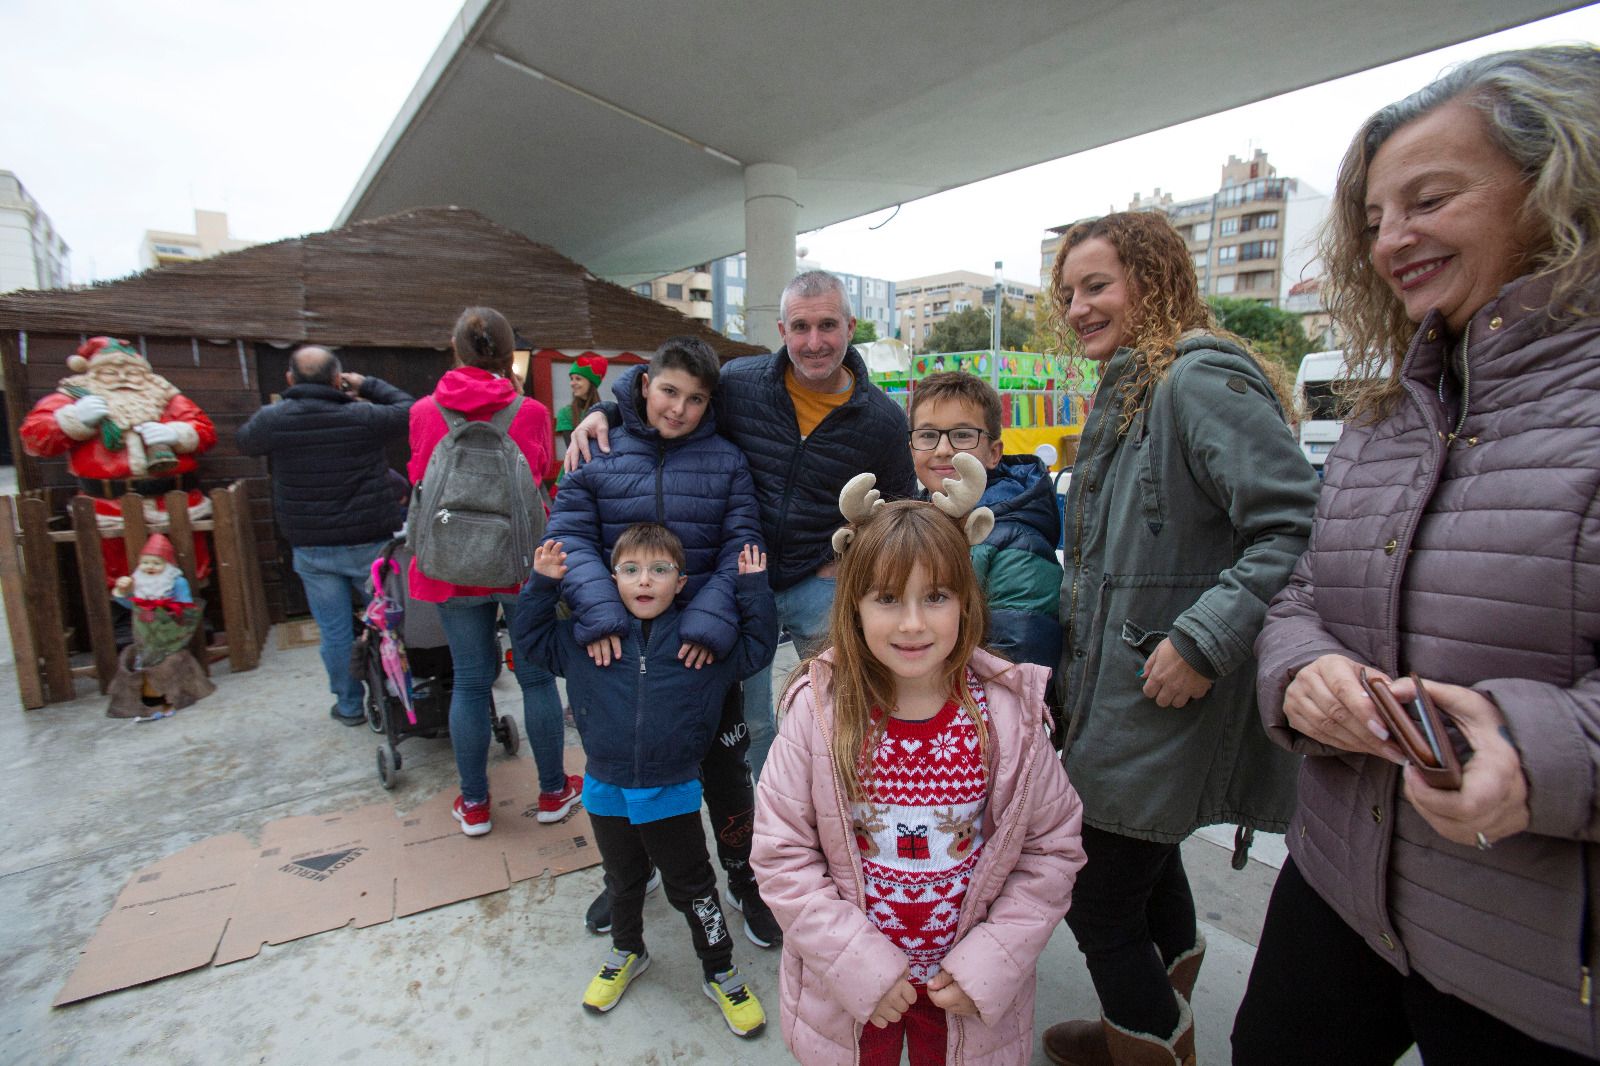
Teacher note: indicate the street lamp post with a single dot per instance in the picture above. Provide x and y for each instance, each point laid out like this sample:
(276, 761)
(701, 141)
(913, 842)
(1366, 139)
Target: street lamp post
(994, 327)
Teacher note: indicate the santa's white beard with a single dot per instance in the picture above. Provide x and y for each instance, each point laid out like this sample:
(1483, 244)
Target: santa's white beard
(156, 586)
(129, 407)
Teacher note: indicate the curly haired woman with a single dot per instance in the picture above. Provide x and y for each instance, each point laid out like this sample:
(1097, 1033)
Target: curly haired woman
(1190, 504)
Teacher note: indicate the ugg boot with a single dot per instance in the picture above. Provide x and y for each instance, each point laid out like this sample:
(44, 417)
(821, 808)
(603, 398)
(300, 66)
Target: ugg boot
(1078, 1043)
(1129, 1048)
(1185, 969)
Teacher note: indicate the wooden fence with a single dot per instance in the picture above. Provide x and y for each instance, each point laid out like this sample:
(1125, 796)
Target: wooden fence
(35, 592)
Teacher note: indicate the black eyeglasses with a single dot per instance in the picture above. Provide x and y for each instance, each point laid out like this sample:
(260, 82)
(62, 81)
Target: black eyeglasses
(962, 438)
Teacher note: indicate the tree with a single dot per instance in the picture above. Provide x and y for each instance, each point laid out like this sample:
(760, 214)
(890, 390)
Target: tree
(969, 331)
(866, 332)
(1271, 331)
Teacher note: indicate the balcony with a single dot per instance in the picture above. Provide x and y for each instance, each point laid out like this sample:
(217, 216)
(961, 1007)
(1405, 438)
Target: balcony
(700, 309)
(700, 280)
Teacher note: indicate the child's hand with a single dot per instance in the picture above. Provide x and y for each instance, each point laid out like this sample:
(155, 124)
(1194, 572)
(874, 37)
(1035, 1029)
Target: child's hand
(695, 655)
(605, 649)
(550, 561)
(943, 992)
(752, 560)
(894, 1003)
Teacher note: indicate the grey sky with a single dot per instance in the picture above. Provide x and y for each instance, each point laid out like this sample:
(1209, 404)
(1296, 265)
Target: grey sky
(122, 117)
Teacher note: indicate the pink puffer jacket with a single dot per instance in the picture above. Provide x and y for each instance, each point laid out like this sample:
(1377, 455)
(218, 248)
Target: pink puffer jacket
(836, 965)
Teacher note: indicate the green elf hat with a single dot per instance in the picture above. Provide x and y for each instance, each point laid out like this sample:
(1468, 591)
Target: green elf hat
(591, 366)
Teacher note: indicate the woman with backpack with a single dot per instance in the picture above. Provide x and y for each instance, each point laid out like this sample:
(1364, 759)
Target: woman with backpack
(477, 389)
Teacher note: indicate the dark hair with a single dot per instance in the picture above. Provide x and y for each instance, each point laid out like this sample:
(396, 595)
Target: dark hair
(647, 538)
(312, 364)
(959, 385)
(483, 339)
(691, 355)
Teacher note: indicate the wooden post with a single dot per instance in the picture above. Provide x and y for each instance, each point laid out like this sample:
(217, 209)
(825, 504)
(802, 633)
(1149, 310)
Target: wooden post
(242, 655)
(43, 582)
(13, 588)
(96, 597)
(181, 533)
(255, 591)
(133, 529)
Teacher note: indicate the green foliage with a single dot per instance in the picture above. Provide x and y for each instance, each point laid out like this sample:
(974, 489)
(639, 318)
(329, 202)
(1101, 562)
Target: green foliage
(1271, 331)
(865, 333)
(970, 330)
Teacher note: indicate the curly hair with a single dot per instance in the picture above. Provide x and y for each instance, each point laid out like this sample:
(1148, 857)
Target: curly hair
(1164, 297)
(1541, 107)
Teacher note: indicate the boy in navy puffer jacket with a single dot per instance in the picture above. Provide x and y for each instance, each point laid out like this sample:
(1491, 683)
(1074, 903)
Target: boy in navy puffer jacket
(645, 729)
(669, 465)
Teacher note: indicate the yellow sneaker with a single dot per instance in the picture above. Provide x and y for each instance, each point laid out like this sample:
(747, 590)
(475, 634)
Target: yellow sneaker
(616, 974)
(740, 1007)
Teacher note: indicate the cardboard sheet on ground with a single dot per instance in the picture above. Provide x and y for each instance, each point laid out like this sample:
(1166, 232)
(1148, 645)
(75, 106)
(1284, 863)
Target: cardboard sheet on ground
(220, 900)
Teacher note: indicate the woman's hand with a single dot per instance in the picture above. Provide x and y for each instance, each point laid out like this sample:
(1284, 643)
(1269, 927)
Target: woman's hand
(1169, 680)
(1493, 799)
(894, 1004)
(1326, 702)
(593, 427)
(943, 992)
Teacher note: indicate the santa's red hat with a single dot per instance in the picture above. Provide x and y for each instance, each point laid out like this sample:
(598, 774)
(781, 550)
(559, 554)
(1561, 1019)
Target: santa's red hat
(107, 349)
(158, 544)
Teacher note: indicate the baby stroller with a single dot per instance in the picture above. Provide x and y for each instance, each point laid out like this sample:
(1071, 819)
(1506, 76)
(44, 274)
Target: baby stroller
(405, 662)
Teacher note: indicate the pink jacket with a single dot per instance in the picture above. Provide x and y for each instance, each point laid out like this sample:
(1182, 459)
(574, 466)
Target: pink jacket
(836, 965)
(478, 394)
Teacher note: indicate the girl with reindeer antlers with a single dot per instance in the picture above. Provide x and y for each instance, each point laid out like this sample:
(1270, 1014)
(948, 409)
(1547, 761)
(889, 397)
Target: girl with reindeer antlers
(916, 835)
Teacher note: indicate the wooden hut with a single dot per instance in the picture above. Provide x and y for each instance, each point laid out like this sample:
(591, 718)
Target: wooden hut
(384, 294)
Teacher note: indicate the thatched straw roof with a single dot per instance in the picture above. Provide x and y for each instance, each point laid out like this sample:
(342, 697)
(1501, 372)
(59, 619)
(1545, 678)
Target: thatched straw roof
(398, 281)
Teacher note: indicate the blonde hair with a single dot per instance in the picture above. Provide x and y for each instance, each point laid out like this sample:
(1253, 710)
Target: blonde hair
(1541, 107)
(886, 548)
(1164, 302)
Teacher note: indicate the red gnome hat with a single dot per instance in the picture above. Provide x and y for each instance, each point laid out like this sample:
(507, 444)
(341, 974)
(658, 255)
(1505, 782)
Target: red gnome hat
(158, 544)
(107, 348)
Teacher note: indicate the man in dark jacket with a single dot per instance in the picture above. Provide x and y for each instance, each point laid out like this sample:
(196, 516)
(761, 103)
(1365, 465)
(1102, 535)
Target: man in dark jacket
(331, 492)
(808, 420)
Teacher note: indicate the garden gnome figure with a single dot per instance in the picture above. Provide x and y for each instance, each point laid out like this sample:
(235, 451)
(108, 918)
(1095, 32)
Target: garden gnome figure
(156, 673)
(123, 428)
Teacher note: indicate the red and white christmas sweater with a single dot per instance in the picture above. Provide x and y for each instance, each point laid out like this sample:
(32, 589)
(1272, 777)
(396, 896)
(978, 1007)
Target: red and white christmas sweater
(920, 829)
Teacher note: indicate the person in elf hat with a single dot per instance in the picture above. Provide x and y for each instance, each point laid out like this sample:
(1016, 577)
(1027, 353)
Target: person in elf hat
(123, 428)
(156, 670)
(587, 373)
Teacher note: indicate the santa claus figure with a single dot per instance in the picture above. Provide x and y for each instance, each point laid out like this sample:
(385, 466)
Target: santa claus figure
(156, 675)
(124, 428)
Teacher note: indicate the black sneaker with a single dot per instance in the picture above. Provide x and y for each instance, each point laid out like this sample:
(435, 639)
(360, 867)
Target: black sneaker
(597, 919)
(760, 927)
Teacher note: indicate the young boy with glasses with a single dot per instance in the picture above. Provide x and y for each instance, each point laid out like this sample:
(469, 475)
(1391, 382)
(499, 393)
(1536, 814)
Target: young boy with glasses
(1017, 565)
(646, 723)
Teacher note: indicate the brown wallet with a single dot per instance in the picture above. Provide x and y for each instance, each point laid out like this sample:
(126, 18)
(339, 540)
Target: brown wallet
(1418, 729)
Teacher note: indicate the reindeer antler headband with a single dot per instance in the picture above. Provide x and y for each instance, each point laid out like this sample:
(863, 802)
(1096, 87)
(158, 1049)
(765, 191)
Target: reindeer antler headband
(858, 499)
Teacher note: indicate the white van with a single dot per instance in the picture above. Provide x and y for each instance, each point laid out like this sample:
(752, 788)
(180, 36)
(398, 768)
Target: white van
(1320, 424)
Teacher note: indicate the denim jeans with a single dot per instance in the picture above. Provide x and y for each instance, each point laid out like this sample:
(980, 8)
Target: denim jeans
(803, 618)
(333, 575)
(475, 655)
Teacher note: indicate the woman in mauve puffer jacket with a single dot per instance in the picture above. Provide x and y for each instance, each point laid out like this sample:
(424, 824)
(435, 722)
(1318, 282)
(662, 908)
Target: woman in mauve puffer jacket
(1457, 538)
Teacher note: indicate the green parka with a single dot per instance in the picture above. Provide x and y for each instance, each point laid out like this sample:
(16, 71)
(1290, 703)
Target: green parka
(1187, 525)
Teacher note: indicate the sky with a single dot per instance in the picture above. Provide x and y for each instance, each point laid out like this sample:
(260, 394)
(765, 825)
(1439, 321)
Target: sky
(271, 112)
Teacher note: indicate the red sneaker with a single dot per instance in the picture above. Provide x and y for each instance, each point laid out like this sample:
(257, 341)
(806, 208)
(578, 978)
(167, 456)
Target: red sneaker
(554, 806)
(474, 817)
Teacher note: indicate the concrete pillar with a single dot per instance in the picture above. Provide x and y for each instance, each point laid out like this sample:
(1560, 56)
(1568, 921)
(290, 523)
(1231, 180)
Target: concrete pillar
(770, 210)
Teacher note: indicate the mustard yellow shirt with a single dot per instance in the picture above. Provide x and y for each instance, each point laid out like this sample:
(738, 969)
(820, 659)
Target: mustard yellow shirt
(810, 408)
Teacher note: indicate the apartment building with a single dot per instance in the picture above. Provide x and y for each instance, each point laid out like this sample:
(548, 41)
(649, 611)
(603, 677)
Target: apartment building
(715, 294)
(32, 253)
(210, 237)
(922, 303)
(1254, 238)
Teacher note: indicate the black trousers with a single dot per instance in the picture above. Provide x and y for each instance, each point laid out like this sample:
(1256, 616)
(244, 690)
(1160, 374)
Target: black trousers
(730, 796)
(677, 847)
(1318, 994)
(1132, 913)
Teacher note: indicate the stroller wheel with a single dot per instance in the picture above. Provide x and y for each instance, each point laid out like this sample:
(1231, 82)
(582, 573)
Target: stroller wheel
(388, 771)
(505, 731)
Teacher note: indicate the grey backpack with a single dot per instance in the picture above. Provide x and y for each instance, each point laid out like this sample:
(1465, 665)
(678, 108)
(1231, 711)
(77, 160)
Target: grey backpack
(479, 512)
